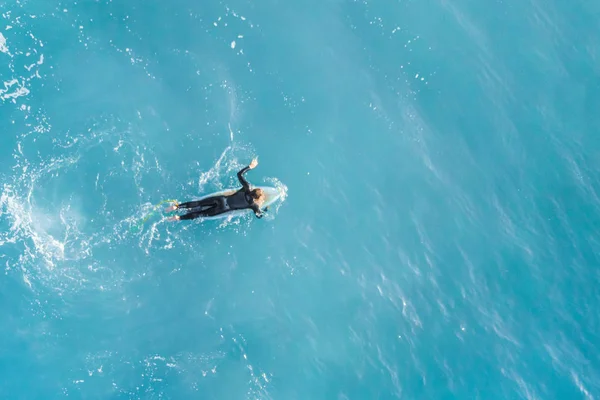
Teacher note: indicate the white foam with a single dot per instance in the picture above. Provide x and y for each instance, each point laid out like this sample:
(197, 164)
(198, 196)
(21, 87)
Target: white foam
(233, 44)
(3, 47)
(21, 90)
(213, 172)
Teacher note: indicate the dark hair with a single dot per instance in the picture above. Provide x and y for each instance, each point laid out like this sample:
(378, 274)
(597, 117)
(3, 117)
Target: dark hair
(256, 193)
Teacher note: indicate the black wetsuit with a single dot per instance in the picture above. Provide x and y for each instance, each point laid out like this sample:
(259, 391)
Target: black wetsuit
(216, 205)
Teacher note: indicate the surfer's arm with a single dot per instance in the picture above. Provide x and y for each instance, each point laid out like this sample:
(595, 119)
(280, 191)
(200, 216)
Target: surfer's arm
(240, 174)
(257, 212)
(243, 180)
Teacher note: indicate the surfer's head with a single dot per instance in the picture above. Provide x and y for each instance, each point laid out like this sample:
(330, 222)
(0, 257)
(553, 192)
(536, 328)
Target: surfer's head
(258, 195)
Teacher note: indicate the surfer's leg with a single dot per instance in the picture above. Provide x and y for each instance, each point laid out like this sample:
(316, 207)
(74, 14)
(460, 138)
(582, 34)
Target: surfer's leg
(211, 212)
(192, 215)
(211, 201)
(217, 206)
(208, 202)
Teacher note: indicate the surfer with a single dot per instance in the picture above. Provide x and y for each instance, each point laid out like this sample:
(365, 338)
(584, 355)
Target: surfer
(220, 204)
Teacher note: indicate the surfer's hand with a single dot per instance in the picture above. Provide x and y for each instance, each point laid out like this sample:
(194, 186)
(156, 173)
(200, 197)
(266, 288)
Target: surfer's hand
(254, 163)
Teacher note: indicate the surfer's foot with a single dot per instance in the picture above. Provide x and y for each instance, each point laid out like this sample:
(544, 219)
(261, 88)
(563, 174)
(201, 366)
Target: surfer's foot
(172, 208)
(172, 219)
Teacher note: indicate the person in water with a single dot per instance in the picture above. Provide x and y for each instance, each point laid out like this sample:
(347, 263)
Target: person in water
(220, 204)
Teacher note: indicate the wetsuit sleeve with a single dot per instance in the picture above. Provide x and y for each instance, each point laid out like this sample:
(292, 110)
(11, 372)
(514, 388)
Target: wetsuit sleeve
(257, 211)
(243, 180)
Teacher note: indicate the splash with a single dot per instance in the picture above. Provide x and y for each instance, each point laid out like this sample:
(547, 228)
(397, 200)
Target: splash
(47, 244)
(28, 56)
(50, 237)
(43, 229)
(138, 225)
(227, 165)
(3, 47)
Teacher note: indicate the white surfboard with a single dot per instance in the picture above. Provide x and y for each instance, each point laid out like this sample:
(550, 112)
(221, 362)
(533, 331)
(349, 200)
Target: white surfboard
(271, 196)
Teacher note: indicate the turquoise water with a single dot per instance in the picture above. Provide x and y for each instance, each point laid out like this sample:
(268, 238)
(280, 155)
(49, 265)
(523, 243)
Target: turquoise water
(439, 234)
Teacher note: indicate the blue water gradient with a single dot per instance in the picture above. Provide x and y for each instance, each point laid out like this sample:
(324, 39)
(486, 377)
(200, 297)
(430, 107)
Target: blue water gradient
(438, 237)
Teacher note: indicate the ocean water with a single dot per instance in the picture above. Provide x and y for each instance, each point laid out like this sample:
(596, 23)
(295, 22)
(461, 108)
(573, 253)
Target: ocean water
(438, 238)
